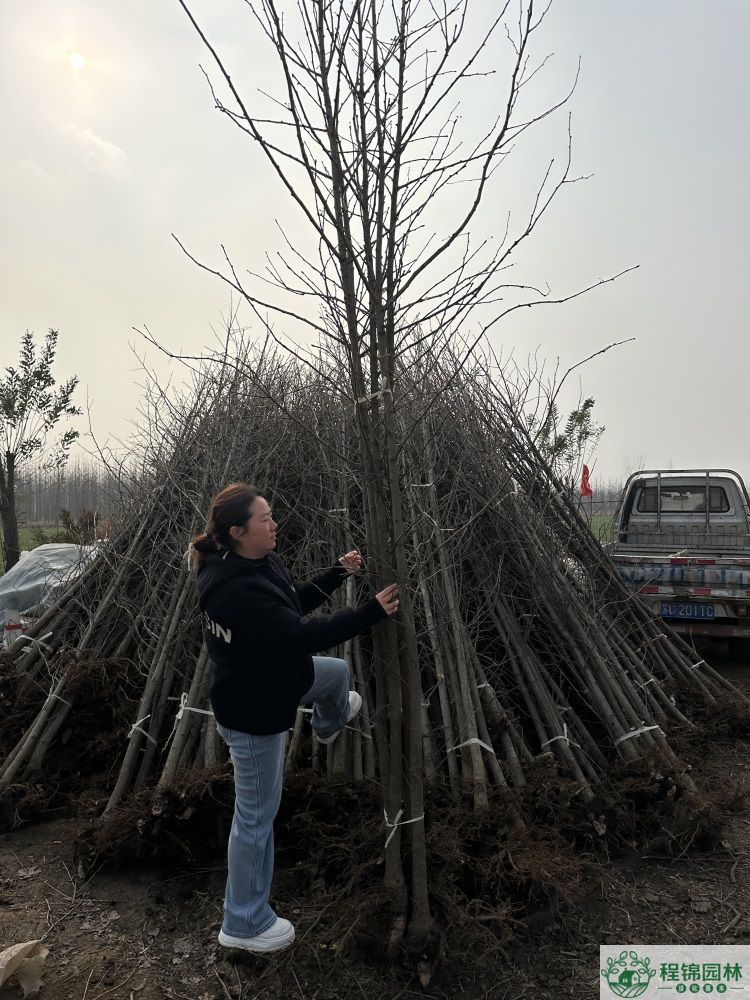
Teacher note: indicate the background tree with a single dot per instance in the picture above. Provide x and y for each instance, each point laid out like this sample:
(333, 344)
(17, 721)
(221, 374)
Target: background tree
(31, 406)
(566, 447)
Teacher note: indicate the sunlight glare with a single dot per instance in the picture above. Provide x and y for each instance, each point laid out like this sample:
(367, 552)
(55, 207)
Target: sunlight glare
(77, 61)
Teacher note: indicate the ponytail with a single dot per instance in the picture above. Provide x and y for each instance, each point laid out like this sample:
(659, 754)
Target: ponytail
(199, 546)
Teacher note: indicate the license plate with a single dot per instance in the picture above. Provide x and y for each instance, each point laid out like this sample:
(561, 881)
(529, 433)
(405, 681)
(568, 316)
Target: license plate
(672, 609)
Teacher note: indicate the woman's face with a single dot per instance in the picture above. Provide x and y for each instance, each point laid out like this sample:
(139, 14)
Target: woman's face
(257, 536)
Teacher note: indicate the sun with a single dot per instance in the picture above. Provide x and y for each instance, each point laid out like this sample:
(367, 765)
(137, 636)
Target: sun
(77, 61)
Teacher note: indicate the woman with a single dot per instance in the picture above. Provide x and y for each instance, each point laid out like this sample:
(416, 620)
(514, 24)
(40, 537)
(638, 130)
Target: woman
(261, 645)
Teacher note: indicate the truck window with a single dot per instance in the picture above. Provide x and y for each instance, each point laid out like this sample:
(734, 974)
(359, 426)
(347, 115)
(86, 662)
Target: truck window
(683, 500)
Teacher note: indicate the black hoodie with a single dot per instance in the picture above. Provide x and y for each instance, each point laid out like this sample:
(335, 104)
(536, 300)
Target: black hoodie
(261, 645)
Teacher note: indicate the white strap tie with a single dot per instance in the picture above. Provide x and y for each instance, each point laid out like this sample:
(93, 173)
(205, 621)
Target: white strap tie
(651, 680)
(698, 664)
(39, 642)
(476, 740)
(485, 685)
(53, 695)
(397, 823)
(372, 395)
(564, 736)
(184, 707)
(136, 727)
(635, 732)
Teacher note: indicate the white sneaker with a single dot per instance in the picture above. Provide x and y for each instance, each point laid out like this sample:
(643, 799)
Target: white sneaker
(279, 935)
(355, 703)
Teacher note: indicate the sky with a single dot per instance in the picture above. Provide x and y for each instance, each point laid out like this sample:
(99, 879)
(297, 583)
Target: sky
(100, 165)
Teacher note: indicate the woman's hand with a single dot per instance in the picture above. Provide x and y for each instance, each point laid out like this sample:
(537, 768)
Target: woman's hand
(352, 561)
(388, 599)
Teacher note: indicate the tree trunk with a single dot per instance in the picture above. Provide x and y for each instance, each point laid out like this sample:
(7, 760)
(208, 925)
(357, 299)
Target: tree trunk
(11, 543)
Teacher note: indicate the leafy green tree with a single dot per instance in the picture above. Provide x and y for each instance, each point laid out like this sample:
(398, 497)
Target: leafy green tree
(31, 406)
(565, 448)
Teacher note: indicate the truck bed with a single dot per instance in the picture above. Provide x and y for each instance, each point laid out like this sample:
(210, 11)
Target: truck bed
(691, 583)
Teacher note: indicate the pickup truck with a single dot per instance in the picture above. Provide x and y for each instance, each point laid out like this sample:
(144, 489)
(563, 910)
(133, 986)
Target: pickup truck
(681, 539)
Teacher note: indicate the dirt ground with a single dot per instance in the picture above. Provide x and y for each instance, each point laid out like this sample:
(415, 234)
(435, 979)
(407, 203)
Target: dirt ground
(146, 933)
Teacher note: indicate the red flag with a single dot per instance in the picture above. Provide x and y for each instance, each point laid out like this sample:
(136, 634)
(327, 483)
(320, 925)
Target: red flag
(586, 490)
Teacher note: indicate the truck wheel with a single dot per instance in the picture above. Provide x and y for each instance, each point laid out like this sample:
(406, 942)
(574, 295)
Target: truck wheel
(739, 649)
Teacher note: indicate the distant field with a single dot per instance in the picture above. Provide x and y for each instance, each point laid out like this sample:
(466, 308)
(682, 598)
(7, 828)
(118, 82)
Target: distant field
(601, 527)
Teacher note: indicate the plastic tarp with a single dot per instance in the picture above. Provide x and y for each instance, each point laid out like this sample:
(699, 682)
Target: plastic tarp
(35, 581)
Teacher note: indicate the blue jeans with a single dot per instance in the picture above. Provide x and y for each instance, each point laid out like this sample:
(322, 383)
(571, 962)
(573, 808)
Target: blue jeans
(258, 774)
